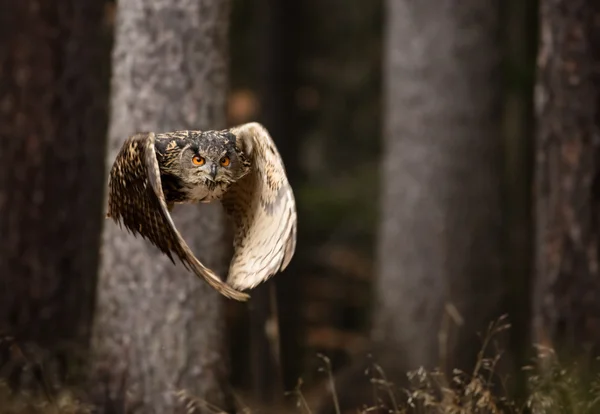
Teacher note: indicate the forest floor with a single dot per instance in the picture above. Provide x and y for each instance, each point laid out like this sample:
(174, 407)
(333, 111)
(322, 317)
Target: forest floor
(551, 387)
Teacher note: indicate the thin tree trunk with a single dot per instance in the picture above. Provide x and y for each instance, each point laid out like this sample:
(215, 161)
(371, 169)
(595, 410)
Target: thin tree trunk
(520, 42)
(567, 186)
(158, 326)
(53, 121)
(440, 235)
(277, 301)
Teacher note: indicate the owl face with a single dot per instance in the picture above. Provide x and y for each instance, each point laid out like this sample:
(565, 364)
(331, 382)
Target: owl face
(211, 158)
(203, 164)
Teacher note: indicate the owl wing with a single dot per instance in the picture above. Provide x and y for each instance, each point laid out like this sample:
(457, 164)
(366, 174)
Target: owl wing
(136, 199)
(263, 211)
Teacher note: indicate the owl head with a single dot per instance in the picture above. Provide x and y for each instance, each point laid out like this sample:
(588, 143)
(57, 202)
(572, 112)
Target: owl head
(209, 158)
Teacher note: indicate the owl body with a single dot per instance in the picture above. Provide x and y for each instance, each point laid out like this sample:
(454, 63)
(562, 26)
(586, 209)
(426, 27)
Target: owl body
(240, 167)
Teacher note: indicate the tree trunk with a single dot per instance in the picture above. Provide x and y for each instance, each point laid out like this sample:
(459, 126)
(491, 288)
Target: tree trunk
(274, 355)
(52, 126)
(158, 327)
(440, 235)
(567, 185)
(520, 44)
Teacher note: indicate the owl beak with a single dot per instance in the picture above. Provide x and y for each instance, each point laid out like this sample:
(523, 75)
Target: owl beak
(213, 171)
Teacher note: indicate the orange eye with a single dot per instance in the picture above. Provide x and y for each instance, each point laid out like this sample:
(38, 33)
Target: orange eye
(225, 161)
(197, 160)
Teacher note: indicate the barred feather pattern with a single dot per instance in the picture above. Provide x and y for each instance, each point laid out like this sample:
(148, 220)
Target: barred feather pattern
(263, 210)
(260, 204)
(136, 200)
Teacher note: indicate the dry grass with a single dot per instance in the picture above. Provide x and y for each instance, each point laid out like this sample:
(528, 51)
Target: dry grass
(26, 403)
(552, 388)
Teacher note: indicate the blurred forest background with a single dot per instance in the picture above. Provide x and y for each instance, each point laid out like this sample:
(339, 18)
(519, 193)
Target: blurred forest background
(444, 157)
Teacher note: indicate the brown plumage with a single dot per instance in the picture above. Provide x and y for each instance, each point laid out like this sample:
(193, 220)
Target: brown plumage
(239, 166)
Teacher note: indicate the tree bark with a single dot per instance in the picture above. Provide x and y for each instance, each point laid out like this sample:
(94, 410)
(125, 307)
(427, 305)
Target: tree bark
(440, 234)
(567, 185)
(52, 126)
(158, 326)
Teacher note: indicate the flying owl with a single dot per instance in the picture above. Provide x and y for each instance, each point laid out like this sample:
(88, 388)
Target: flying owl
(239, 166)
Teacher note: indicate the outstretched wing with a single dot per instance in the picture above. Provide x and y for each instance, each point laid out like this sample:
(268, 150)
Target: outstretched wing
(136, 199)
(263, 210)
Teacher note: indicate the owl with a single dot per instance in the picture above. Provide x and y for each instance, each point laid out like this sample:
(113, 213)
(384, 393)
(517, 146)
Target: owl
(240, 167)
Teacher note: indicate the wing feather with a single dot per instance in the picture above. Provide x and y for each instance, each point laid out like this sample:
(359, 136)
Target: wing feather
(136, 200)
(263, 211)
